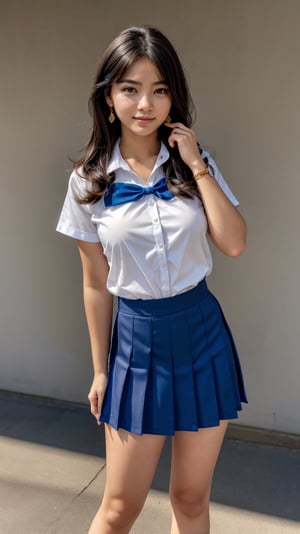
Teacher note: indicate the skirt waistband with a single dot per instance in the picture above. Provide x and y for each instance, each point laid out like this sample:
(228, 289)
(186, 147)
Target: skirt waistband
(165, 305)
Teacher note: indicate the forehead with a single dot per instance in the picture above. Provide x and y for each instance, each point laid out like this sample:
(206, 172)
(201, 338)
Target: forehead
(142, 69)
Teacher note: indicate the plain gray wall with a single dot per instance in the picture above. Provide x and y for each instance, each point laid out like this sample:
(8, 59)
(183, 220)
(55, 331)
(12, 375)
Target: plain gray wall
(242, 61)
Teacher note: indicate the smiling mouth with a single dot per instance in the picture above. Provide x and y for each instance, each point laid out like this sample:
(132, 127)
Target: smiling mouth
(146, 119)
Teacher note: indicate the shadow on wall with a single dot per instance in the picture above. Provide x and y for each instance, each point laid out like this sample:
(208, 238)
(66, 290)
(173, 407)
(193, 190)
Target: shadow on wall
(252, 477)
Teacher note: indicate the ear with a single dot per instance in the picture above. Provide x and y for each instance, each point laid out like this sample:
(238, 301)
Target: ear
(109, 101)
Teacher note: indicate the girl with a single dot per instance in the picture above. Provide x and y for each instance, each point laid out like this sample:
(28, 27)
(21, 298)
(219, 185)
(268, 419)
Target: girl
(140, 203)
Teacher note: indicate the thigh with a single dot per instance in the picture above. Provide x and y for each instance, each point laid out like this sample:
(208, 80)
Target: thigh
(194, 456)
(131, 461)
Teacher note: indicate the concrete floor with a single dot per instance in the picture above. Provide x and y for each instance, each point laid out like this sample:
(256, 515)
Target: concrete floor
(52, 471)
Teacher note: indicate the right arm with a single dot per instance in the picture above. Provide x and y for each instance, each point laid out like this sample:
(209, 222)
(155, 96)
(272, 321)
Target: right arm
(98, 304)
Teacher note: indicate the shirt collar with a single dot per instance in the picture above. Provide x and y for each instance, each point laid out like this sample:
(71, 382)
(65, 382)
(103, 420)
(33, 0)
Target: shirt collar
(117, 161)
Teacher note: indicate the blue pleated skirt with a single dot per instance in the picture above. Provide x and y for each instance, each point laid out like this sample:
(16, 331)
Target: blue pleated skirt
(173, 365)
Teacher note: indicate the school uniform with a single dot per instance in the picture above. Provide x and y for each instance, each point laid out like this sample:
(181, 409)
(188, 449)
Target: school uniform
(173, 364)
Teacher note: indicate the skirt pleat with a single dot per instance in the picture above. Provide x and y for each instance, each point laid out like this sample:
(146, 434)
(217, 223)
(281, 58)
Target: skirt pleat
(185, 409)
(159, 395)
(173, 366)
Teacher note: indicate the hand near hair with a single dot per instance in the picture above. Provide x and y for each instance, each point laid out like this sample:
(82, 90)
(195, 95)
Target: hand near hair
(186, 141)
(226, 227)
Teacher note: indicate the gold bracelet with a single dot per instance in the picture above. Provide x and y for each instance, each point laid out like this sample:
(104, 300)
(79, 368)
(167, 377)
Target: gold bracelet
(200, 174)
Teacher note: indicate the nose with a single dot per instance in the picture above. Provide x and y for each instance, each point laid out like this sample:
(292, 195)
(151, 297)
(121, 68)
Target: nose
(145, 102)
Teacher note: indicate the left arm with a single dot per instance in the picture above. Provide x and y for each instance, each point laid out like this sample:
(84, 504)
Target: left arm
(226, 227)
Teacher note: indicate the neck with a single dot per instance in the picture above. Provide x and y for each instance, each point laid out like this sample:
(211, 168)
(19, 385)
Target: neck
(138, 147)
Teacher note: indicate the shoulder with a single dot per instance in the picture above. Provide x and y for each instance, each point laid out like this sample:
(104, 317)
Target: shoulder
(79, 185)
(217, 174)
(209, 160)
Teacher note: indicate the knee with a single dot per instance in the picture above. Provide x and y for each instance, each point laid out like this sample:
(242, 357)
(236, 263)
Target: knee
(190, 503)
(121, 513)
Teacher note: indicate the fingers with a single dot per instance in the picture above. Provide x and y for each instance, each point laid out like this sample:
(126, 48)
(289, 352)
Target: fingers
(180, 133)
(176, 125)
(95, 405)
(96, 394)
(186, 142)
(179, 128)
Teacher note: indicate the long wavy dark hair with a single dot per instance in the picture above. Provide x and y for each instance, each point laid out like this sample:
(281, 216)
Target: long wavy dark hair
(130, 45)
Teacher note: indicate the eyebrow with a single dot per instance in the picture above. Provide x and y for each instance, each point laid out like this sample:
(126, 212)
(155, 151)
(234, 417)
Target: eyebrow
(126, 80)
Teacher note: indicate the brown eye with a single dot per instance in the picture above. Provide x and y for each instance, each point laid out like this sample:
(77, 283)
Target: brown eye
(162, 91)
(129, 89)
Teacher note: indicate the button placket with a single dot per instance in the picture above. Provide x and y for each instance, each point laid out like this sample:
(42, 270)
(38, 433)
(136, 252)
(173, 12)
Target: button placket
(160, 248)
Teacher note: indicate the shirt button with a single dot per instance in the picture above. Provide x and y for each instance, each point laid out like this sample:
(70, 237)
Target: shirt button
(155, 220)
(160, 245)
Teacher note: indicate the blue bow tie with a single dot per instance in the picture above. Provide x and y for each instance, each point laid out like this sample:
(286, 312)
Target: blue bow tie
(119, 193)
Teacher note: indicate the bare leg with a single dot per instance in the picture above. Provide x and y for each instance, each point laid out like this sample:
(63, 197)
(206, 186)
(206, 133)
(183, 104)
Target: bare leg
(194, 457)
(131, 462)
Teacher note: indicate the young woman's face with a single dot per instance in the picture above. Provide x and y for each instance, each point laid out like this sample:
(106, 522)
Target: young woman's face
(141, 99)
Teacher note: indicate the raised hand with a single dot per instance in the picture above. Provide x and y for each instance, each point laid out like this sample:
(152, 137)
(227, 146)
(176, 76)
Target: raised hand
(186, 141)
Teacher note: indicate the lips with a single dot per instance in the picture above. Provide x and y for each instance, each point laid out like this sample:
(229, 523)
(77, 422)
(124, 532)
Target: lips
(146, 119)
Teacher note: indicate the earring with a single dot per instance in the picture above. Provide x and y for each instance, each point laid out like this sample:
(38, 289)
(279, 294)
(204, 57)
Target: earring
(111, 116)
(168, 119)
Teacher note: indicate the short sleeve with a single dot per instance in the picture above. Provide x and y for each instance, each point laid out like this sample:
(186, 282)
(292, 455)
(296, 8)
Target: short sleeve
(75, 219)
(216, 173)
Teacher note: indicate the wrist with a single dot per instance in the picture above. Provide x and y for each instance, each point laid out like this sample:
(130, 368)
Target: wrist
(100, 372)
(198, 166)
(202, 173)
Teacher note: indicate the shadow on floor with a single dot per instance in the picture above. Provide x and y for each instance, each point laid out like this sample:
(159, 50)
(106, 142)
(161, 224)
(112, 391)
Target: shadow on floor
(55, 424)
(249, 476)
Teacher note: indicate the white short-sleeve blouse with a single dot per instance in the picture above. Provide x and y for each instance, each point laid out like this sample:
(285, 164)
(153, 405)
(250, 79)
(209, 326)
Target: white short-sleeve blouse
(155, 248)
